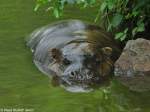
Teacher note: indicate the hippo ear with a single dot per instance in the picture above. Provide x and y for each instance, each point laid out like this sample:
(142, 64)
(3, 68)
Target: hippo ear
(55, 54)
(107, 50)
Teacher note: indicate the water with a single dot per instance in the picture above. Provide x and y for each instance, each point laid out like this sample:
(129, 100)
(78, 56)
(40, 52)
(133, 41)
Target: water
(23, 86)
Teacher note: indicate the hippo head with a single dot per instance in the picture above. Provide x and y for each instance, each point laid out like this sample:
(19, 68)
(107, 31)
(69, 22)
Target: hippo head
(74, 54)
(77, 64)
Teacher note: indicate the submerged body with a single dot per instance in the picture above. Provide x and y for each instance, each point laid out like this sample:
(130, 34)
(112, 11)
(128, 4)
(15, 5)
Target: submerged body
(75, 54)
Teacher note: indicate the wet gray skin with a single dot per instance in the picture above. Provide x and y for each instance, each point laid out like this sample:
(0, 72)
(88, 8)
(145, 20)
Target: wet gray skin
(77, 67)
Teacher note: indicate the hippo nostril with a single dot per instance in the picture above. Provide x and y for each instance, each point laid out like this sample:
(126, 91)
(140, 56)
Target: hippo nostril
(72, 73)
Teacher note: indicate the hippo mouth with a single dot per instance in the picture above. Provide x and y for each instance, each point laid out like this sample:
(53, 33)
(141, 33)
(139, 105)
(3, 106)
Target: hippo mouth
(79, 77)
(78, 80)
(75, 74)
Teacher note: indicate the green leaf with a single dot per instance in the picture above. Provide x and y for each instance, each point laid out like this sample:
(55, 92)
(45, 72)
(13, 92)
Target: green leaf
(103, 6)
(140, 27)
(43, 1)
(97, 16)
(70, 1)
(37, 7)
(110, 4)
(123, 37)
(126, 30)
(56, 12)
(90, 2)
(135, 13)
(116, 20)
(119, 35)
(128, 16)
(134, 31)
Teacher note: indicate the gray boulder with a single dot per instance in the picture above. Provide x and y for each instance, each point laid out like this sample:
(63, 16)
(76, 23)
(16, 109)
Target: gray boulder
(132, 68)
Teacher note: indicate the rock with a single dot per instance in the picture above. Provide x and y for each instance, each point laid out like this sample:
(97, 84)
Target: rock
(133, 66)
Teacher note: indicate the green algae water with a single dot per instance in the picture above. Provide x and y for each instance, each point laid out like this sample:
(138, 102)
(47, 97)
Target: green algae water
(23, 86)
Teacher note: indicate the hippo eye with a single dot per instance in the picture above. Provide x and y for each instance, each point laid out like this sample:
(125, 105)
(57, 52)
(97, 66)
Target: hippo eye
(66, 61)
(88, 56)
(72, 74)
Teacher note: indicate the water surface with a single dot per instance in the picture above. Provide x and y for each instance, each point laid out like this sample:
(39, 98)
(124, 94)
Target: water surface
(23, 86)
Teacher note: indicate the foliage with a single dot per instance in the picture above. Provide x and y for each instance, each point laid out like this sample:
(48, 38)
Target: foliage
(57, 6)
(124, 18)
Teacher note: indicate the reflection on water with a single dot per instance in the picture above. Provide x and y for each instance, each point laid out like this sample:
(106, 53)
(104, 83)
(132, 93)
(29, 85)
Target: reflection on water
(118, 98)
